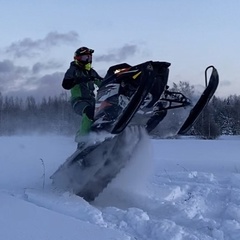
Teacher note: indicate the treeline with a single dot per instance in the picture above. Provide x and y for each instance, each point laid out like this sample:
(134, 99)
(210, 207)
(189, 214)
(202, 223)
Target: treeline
(51, 115)
(220, 117)
(55, 115)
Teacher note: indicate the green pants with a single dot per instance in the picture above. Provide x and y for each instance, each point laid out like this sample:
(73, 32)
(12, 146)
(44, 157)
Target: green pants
(86, 110)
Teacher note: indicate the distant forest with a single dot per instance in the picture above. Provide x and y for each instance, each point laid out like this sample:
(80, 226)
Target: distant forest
(55, 115)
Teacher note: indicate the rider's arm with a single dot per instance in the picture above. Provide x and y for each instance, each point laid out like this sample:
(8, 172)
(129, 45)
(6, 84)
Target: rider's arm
(96, 78)
(69, 79)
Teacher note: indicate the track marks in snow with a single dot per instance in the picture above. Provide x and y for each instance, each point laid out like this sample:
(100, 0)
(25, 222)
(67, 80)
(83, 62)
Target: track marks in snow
(203, 202)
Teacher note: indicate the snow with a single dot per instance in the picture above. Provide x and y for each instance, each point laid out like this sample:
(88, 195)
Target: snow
(175, 189)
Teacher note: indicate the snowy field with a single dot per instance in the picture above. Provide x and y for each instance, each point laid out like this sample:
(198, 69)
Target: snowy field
(172, 189)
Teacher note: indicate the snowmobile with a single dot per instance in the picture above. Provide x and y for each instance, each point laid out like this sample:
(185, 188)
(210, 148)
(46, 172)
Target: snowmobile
(127, 95)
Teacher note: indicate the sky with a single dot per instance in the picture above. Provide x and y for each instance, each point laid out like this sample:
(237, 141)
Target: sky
(38, 40)
(190, 193)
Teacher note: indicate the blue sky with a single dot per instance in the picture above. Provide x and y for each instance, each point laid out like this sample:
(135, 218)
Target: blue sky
(38, 39)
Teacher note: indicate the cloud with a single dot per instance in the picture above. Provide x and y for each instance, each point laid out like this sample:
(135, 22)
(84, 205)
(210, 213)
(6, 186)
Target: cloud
(47, 85)
(19, 81)
(29, 48)
(118, 55)
(38, 87)
(225, 83)
(11, 75)
(7, 67)
(39, 67)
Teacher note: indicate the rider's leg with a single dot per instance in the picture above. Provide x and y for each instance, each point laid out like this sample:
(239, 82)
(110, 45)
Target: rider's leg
(86, 111)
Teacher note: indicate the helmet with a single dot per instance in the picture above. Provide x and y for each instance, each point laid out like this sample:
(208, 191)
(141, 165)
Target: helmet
(83, 55)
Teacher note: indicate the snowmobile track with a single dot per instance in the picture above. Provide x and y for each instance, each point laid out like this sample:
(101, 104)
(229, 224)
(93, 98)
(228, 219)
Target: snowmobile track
(101, 165)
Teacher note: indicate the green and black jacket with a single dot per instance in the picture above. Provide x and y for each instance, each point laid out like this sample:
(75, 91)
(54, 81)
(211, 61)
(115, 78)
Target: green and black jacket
(81, 82)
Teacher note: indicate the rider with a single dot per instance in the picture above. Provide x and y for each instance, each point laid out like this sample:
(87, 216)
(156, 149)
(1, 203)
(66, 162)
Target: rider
(80, 79)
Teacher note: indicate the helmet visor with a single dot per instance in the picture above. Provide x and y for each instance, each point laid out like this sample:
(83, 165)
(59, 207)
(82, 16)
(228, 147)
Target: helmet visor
(84, 58)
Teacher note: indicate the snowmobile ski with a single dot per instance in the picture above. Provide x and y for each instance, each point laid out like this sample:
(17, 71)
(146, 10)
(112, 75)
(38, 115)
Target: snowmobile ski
(147, 80)
(206, 96)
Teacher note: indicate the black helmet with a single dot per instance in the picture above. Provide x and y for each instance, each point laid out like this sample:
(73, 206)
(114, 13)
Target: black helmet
(83, 55)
